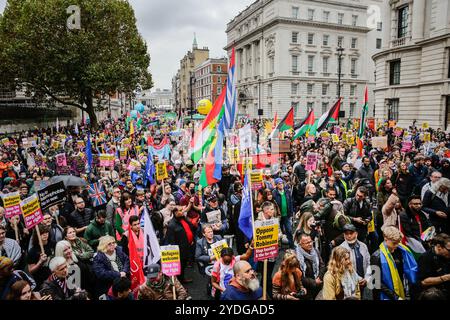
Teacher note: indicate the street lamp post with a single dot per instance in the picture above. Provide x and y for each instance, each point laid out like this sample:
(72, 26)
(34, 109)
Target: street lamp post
(339, 50)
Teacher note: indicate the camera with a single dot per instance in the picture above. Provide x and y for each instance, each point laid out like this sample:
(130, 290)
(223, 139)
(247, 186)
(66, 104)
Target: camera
(300, 294)
(317, 224)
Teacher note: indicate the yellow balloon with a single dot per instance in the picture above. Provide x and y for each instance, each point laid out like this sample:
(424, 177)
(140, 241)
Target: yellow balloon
(204, 106)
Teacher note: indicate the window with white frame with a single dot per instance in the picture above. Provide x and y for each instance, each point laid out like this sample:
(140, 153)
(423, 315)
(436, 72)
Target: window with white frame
(295, 12)
(269, 90)
(294, 63)
(325, 64)
(310, 14)
(326, 16)
(353, 66)
(310, 63)
(219, 68)
(309, 106)
(309, 88)
(352, 90)
(354, 43)
(294, 37)
(379, 43)
(340, 42)
(310, 38)
(325, 106)
(354, 20)
(352, 109)
(325, 89)
(269, 108)
(294, 88)
(325, 40)
(340, 18)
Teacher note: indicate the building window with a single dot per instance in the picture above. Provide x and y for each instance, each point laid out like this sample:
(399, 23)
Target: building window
(353, 67)
(354, 20)
(340, 42)
(378, 43)
(325, 39)
(394, 74)
(294, 37)
(393, 114)
(294, 63)
(294, 88)
(325, 89)
(310, 38)
(379, 26)
(326, 16)
(310, 63)
(324, 107)
(310, 14)
(309, 106)
(219, 79)
(354, 42)
(269, 108)
(352, 109)
(219, 90)
(269, 90)
(325, 64)
(352, 90)
(340, 18)
(295, 12)
(309, 88)
(402, 22)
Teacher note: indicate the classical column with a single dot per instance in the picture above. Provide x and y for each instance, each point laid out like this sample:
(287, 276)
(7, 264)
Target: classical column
(418, 16)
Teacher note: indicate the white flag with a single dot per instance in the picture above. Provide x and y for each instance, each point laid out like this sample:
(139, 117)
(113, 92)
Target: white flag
(57, 124)
(152, 251)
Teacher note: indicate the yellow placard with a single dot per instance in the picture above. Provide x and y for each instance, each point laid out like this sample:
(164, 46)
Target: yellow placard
(126, 142)
(55, 144)
(11, 201)
(123, 154)
(161, 171)
(217, 248)
(233, 155)
(80, 144)
(425, 125)
(426, 137)
(248, 164)
(256, 177)
(335, 138)
(168, 256)
(5, 141)
(266, 236)
(325, 134)
(30, 207)
(350, 140)
(138, 149)
(392, 123)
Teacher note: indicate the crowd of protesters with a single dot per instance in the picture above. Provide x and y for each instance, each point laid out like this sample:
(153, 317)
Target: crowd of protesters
(370, 226)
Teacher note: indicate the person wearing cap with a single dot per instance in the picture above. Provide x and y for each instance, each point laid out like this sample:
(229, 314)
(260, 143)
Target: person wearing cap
(359, 254)
(222, 271)
(182, 190)
(160, 287)
(283, 198)
(214, 215)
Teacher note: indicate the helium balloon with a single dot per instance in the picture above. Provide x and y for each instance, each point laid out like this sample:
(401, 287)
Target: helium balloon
(134, 114)
(139, 107)
(204, 106)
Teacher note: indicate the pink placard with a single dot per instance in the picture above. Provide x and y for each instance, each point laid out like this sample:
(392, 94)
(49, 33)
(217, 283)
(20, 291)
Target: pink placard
(11, 203)
(171, 268)
(266, 253)
(311, 161)
(61, 160)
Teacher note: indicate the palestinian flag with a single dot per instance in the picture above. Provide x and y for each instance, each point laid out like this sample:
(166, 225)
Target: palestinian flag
(305, 125)
(365, 110)
(329, 116)
(139, 121)
(204, 135)
(287, 123)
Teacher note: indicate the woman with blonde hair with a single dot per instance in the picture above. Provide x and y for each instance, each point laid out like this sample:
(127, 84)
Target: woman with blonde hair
(305, 225)
(287, 282)
(341, 281)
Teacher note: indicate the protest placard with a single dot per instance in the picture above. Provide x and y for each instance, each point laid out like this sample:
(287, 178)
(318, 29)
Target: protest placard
(311, 161)
(247, 163)
(245, 137)
(80, 144)
(31, 210)
(161, 171)
(11, 203)
(264, 160)
(52, 195)
(61, 160)
(256, 177)
(379, 142)
(133, 165)
(214, 216)
(310, 139)
(170, 260)
(426, 137)
(123, 154)
(335, 138)
(217, 247)
(233, 155)
(106, 160)
(325, 135)
(406, 146)
(266, 239)
(398, 131)
(425, 125)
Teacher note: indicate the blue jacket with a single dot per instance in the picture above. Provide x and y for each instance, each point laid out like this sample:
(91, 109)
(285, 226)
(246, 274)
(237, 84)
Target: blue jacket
(277, 198)
(233, 293)
(104, 271)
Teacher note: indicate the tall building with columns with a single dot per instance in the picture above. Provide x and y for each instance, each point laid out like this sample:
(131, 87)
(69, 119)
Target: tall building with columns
(413, 69)
(286, 54)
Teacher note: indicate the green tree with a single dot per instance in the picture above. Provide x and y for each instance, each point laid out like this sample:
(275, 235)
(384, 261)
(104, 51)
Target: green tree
(75, 68)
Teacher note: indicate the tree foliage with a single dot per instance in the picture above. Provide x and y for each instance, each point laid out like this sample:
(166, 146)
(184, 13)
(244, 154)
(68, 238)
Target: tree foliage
(72, 67)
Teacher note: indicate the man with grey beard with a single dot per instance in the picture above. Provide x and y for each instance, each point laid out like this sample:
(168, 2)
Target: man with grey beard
(244, 285)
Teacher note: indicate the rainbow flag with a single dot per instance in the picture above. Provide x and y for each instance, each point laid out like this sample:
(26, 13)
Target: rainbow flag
(212, 170)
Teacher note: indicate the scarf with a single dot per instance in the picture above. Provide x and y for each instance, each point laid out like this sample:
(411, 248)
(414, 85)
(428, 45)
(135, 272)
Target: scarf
(389, 272)
(313, 257)
(61, 283)
(112, 260)
(349, 282)
(187, 229)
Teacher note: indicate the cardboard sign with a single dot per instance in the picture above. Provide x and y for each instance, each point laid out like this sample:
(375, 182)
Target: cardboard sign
(31, 210)
(61, 160)
(11, 203)
(379, 142)
(214, 216)
(335, 138)
(161, 171)
(311, 161)
(406, 146)
(266, 239)
(170, 260)
(52, 195)
(123, 154)
(217, 247)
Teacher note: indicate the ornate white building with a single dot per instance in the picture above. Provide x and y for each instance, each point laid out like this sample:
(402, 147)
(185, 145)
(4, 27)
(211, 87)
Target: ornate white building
(413, 70)
(286, 53)
(158, 99)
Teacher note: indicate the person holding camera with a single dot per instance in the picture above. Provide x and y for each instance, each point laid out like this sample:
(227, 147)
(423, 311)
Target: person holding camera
(358, 209)
(287, 282)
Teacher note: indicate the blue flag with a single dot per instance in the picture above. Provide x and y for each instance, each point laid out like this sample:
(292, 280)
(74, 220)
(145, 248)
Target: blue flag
(149, 171)
(89, 153)
(245, 216)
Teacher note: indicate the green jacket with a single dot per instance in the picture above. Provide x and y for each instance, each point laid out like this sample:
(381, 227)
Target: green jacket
(95, 231)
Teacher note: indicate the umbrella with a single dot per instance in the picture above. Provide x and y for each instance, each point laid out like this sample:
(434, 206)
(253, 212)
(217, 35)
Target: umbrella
(69, 181)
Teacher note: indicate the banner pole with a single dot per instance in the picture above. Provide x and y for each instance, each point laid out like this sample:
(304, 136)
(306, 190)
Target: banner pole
(16, 230)
(173, 288)
(39, 238)
(265, 280)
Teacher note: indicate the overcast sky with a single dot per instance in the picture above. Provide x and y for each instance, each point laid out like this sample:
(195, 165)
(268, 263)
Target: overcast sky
(168, 27)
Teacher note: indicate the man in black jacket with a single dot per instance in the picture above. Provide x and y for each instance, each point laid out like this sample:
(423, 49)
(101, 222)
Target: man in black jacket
(366, 172)
(81, 217)
(358, 209)
(300, 170)
(412, 220)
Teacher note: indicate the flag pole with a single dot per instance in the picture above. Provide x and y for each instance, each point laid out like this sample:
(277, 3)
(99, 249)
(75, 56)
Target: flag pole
(39, 238)
(173, 288)
(265, 280)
